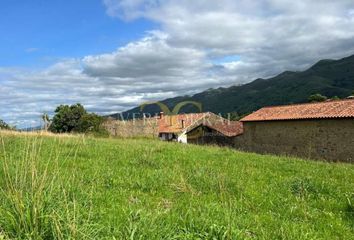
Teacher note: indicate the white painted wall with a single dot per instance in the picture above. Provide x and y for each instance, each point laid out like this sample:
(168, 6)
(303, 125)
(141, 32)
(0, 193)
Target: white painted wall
(182, 138)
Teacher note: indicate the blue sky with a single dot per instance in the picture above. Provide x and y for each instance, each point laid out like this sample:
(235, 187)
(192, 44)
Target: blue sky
(112, 55)
(39, 32)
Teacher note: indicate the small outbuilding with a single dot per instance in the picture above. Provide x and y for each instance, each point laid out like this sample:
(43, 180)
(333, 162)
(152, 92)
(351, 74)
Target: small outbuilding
(199, 128)
(312, 130)
(220, 133)
(171, 127)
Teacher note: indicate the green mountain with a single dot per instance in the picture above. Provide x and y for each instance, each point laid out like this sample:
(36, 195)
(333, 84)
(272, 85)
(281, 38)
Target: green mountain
(327, 77)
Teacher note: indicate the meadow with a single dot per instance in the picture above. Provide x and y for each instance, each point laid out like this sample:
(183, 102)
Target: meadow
(85, 188)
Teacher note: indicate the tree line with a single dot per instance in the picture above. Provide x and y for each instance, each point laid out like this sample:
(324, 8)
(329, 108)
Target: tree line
(321, 98)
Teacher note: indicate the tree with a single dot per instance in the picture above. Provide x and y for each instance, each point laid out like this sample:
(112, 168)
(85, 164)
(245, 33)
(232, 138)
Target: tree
(90, 123)
(66, 118)
(317, 98)
(46, 121)
(75, 118)
(4, 125)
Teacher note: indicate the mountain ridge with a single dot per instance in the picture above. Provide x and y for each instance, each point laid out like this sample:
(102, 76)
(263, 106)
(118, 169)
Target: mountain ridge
(327, 77)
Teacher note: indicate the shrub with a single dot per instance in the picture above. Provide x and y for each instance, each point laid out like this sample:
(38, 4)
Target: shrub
(75, 118)
(317, 98)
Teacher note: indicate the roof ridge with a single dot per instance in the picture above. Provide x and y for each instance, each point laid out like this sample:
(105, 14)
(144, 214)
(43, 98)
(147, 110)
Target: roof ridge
(330, 109)
(218, 129)
(308, 103)
(188, 113)
(194, 122)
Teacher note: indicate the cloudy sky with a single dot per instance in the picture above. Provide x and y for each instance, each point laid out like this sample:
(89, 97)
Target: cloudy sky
(111, 55)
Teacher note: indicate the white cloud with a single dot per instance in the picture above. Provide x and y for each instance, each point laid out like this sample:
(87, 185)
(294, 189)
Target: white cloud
(270, 36)
(267, 36)
(276, 28)
(149, 57)
(146, 70)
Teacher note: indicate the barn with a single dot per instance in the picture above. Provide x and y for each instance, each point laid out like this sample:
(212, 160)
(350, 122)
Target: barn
(312, 130)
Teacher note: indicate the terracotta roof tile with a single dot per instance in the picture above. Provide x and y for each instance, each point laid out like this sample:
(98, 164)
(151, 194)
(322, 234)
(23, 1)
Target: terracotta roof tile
(218, 123)
(228, 128)
(173, 123)
(329, 109)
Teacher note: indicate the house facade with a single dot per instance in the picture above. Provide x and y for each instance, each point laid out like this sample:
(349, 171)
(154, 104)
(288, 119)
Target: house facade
(199, 128)
(171, 127)
(313, 130)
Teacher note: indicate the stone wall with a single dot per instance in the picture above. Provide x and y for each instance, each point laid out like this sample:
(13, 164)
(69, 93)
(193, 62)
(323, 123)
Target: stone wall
(328, 139)
(147, 127)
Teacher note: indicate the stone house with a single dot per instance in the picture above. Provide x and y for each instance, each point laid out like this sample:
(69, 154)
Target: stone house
(171, 127)
(312, 130)
(201, 128)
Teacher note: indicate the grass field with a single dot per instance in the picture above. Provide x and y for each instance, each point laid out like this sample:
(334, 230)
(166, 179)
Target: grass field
(85, 188)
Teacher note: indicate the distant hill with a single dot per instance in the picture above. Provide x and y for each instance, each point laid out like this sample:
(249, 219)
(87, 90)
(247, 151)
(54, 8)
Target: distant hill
(327, 77)
(31, 129)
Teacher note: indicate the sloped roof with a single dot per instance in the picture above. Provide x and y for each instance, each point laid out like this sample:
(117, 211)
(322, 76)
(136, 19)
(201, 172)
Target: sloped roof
(227, 128)
(322, 110)
(173, 123)
(218, 123)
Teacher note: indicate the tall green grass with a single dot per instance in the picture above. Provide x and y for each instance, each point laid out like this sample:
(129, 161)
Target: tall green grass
(36, 197)
(86, 188)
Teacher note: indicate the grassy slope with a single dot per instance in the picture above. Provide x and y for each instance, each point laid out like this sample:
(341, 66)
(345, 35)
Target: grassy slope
(153, 190)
